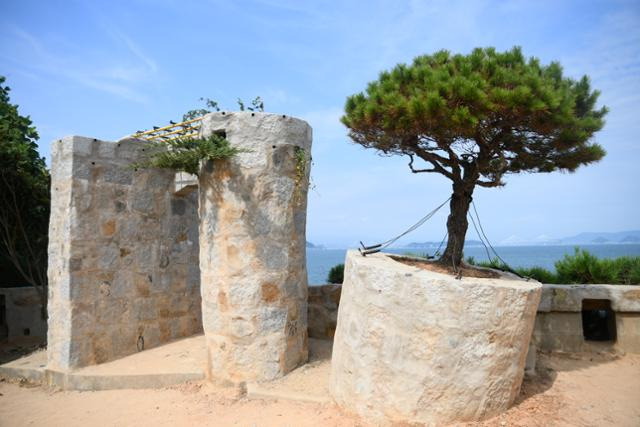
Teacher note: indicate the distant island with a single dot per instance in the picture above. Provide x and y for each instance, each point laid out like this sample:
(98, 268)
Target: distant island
(586, 238)
(632, 236)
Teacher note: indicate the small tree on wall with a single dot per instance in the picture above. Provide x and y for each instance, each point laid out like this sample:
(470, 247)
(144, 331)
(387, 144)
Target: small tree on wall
(476, 118)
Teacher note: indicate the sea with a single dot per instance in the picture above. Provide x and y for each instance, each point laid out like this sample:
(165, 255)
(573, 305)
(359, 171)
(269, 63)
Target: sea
(320, 261)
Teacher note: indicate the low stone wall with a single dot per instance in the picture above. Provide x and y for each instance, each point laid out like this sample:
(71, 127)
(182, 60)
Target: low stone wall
(123, 255)
(560, 325)
(323, 310)
(21, 315)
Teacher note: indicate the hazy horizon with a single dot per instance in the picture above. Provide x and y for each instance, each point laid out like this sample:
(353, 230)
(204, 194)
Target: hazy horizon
(550, 241)
(107, 69)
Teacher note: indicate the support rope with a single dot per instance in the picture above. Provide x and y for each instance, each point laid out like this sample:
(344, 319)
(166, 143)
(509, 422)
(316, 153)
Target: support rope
(366, 250)
(480, 237)
(506, 266)
(437, 253)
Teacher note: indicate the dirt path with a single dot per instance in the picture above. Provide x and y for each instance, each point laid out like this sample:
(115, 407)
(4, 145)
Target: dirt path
(566, 392)
(189, 405)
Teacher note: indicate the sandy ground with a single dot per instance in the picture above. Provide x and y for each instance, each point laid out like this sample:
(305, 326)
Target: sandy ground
(572, 391)
(565, 392)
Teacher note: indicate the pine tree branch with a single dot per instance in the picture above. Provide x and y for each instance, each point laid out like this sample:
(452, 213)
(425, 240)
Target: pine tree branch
(419, 170)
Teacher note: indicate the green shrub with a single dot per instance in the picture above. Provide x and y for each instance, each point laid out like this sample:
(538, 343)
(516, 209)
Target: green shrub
(494, 263)
(540, 274)
(336, 274)
(626, 270)
(417, 255)
(581, 267)
(185, 154)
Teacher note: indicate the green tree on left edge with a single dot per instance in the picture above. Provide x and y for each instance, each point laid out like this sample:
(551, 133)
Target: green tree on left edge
(24, 197)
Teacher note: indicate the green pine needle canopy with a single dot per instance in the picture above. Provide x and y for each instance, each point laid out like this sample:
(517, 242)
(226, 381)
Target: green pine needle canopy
(185, 154)
(476, 118)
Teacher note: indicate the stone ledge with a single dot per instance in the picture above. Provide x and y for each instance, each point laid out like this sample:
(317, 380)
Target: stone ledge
(568, 298)
(79, 382)
(169, 364)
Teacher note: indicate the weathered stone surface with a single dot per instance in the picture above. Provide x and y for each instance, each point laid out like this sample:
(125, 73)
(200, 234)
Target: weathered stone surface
(323, 310)
(559, 327)
(23, 315)
(120, 247)
(252, 253)
(628, 331)
(624, 298)
(419, 346)
(562, 331)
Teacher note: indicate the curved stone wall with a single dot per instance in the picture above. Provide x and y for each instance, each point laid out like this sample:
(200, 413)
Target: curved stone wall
(419, 346)
(252, 253)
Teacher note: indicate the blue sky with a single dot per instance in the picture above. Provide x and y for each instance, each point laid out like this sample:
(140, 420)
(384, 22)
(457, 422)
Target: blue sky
(106, 69)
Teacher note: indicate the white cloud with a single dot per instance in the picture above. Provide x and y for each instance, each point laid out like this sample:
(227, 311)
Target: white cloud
(120, 77)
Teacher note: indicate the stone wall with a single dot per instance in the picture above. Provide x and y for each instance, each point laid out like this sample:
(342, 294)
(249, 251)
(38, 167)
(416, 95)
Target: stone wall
(252, 255)
(559, 323)
(21, 315)
(123, 255)
(323, 310)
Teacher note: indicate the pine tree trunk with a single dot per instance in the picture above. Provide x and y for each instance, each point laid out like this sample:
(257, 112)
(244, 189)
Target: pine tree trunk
(457, 223)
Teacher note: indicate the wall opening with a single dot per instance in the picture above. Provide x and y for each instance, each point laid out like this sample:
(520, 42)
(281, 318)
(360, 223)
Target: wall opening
(598, 320)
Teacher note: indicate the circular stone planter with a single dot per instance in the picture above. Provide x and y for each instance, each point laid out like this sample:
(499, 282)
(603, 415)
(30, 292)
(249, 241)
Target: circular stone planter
(419, 346)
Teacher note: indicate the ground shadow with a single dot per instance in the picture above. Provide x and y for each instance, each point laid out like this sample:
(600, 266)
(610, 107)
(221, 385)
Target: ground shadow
(15, 350)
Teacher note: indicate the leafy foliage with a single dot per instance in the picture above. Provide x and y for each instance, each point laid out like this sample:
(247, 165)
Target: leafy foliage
(257, 104)
(584, 267)
(303, 163)
(210, 105)
(336, 274)
(581, 267)
(540, 274)
(499, 111)
(24, 196)
(476, 118)
(185, 154)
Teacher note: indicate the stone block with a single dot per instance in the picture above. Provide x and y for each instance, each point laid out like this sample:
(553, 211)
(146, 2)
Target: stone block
(323, 310)
(416, 346)
(624, 298)
(628, 330)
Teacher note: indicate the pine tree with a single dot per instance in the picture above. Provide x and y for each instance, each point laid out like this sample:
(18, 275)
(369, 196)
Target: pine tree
(476, 118)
